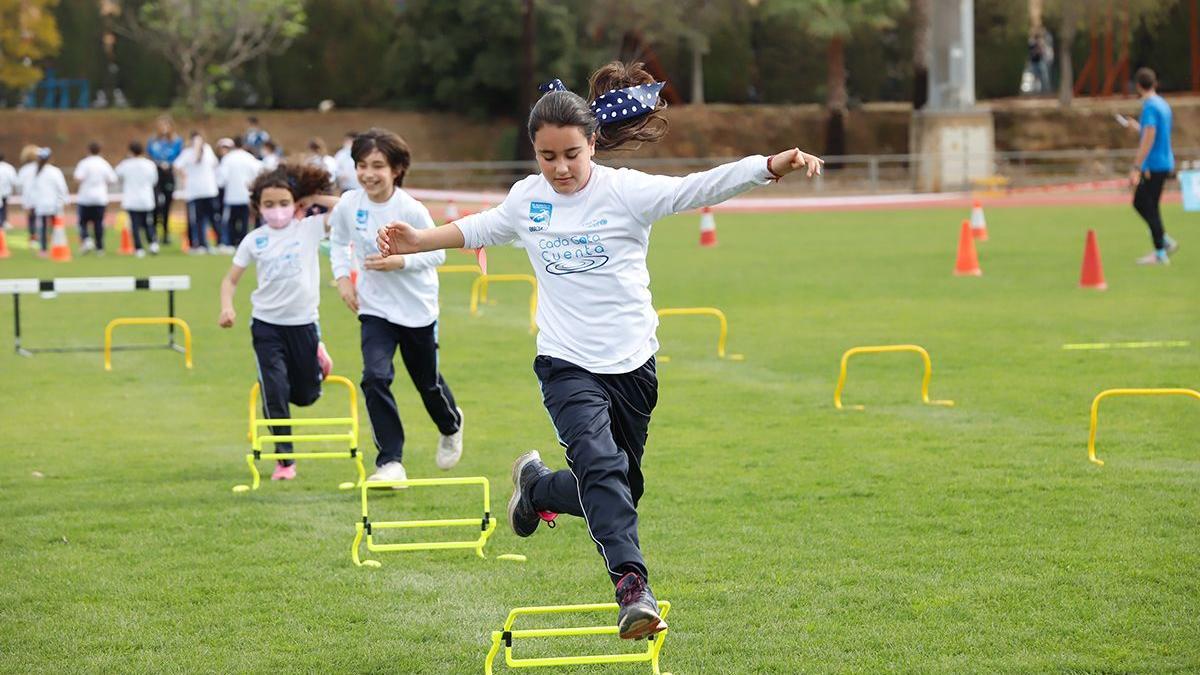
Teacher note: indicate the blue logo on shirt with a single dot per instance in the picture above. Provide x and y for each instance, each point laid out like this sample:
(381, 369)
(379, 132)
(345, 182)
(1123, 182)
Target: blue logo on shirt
(360, 217)
(539, 213)
(260, 242)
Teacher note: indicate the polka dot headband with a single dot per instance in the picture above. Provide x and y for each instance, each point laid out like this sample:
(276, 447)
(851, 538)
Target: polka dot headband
(618, 105)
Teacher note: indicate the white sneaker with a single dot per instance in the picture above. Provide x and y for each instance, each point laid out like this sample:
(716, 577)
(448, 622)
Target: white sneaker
(154, 248)
(141, 253)
(449, 449)
(87, 246)
(226, 249)
(390, 471)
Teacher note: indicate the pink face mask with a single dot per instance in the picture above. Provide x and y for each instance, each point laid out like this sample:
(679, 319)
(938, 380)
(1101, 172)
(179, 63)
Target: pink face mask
(278, 217)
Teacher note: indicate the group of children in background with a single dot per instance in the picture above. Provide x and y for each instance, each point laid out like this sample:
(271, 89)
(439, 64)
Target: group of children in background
(213, 183)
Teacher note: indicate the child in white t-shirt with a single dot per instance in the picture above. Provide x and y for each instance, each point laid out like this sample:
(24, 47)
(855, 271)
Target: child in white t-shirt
(292, 361)
(396, 301)
(586, 229)
(139, 177)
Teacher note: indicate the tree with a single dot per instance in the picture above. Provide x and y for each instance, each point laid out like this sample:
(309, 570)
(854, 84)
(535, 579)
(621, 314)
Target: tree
(28, 33)
(922, 41)
(835, 22)
(1072, 15)
(207, 40)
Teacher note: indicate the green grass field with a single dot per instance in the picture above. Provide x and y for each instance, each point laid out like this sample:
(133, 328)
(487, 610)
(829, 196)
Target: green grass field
(790, 537)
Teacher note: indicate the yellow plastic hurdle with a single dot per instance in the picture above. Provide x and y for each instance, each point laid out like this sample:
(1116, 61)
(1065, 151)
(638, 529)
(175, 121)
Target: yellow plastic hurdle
(148, 321)
(722, 336)
(508, 635)
(884, 349)
(486, 525)
(479, 289)
(460, 269)
(1126, 392)
(349, 437)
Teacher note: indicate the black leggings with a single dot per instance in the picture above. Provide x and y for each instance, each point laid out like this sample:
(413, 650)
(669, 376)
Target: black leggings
(139, 222)
(93, 215)
(1146, 199)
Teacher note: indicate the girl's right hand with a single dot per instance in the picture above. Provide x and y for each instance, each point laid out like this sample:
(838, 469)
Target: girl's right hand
(349, 293)
(398, 237)
(226, 318)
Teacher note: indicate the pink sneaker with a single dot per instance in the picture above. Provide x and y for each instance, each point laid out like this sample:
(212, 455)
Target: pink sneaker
(325, 360)
(284, 472)
(1154, 258)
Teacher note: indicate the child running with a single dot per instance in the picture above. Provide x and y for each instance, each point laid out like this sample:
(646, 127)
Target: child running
(94, 174)
(586, 228)
(292, 361)
(396, 301)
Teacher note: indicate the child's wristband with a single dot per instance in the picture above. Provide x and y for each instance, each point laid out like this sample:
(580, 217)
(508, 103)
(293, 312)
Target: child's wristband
(774, 176)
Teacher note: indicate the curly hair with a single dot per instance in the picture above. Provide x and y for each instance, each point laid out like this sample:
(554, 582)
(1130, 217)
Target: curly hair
(302, 180)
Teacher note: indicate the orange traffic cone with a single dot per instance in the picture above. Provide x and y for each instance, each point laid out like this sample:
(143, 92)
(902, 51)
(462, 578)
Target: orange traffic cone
(1092, 275)
(4, 252)
(126, 241)
(708, 227)
(60, 250)
(481, 259)
(184, 244)
(968, 260)
(978, 222)
(451, 213)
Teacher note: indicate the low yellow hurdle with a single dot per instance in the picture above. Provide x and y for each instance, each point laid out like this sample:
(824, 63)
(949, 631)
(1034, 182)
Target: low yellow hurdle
(1126, 392)
(480, 285)
(705, 311)
(148, 321)
(508, 635)
(460, 269)
(350, 438)
(884, 349)
(486, 525)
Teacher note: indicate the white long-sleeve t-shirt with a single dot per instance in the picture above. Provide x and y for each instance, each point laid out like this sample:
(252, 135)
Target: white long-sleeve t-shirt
(138, 177)
(407, 296)
(94, 175)
(8, 180)
(588, 251)
(49, 191)
(199, 177)
(237, 170)
(25, 176)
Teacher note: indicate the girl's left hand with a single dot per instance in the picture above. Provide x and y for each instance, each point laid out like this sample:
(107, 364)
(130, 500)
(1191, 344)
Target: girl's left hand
(795, 159)
(379, 263)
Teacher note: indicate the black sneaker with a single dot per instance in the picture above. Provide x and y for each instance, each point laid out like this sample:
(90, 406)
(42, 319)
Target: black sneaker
(639, 616)
(522, 516)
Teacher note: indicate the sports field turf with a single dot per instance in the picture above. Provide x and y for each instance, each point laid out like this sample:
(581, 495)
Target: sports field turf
(789, 536)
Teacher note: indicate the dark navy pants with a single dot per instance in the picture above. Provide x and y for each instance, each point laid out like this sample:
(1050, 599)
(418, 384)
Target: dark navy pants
(603, 422)
(288, 370)
(236, 218)
(419, 351)
(94, 216)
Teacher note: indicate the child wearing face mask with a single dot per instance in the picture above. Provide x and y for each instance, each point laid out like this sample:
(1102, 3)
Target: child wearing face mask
(292, 361)
(396, 301)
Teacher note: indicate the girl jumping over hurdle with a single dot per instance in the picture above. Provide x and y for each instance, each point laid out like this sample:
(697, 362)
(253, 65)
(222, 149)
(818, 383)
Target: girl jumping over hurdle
(396, 301)
(586, 228)
(291, 359)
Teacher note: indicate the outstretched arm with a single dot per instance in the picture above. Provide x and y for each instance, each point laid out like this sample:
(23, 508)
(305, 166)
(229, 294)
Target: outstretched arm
(398, 237)
(650, 197)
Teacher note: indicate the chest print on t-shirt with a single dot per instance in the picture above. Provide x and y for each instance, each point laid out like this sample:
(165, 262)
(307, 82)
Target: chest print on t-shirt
(581, 251)
(284, 265)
